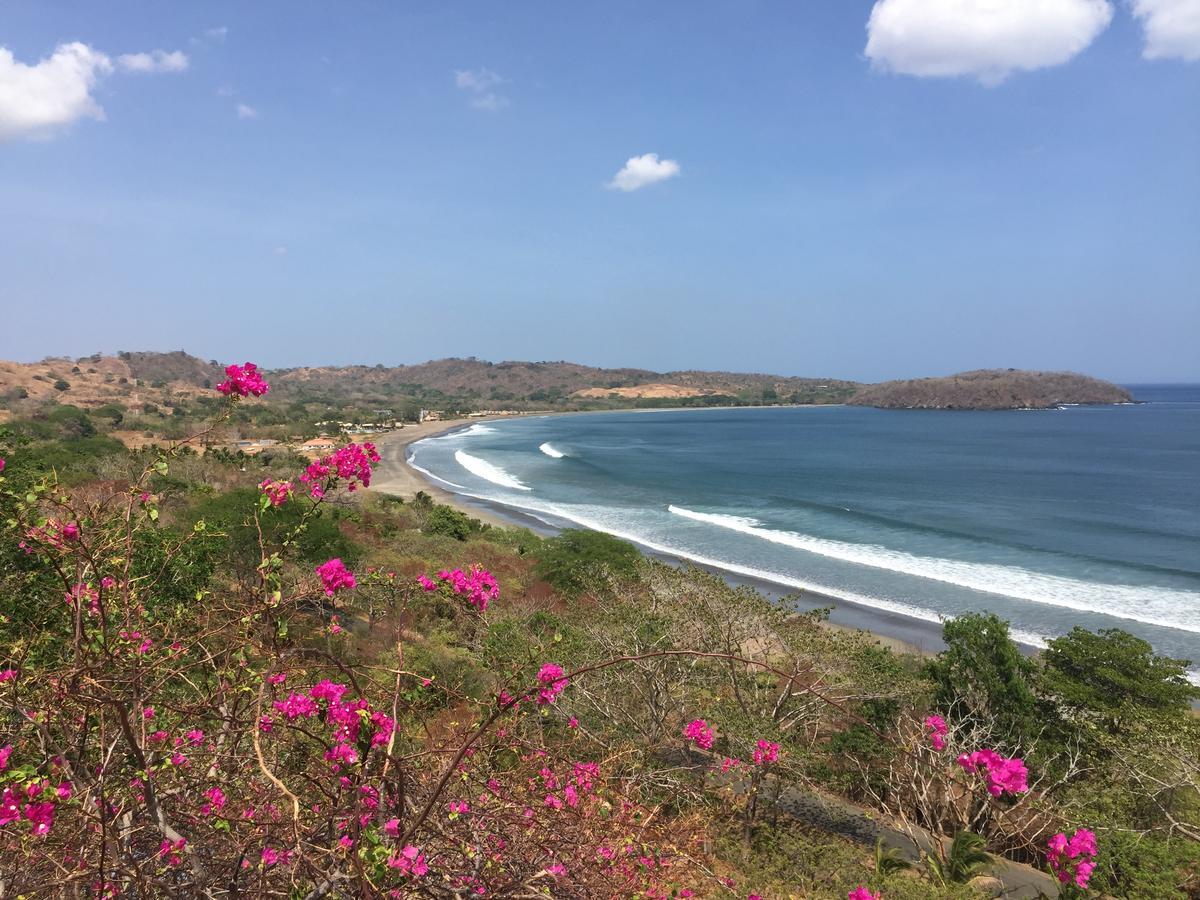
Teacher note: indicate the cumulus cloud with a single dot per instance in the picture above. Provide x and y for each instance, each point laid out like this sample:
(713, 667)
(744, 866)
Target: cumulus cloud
(984, 39)
(1172, 28)
(481, 83)
(640, 171)
(37, 100)
(154, 61)
(246, 112)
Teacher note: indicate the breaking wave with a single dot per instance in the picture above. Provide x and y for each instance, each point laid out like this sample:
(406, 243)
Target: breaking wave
(1150, 605)
(549, 450)
(488, 472)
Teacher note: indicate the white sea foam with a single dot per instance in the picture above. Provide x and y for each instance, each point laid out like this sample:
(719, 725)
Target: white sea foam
(1151, 605)
(549, 450)
(474, 431)
(413, 465)
(488, 472)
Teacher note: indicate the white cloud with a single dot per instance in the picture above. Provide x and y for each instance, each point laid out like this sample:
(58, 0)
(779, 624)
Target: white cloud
(480, 82)
(640, 171)
(216, 34)
(491, 102)
(154, 61)
(477, 80)
(985, 39)
(226, 90)
(1172, 28)
(246, 112)
(37, 100)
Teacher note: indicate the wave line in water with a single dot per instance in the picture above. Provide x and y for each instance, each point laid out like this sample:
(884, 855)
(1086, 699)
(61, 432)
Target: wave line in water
(1160, 606)
(488, 472)
(550, 451)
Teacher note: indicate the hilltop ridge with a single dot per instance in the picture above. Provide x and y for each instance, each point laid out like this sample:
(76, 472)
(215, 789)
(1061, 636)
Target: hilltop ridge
(992, 389)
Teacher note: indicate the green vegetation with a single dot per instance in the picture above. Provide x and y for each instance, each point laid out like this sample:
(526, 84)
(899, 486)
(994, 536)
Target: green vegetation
(1104, 724)
(576, 560)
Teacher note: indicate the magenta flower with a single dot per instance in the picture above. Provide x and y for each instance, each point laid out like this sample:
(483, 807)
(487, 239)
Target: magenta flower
(41, 817)
(276, 492)
(935, 730)
(7, 675)
(698, 732)
(327, 690)
(351, 463)
(1004, 775)
(551, 676)
(765, 752)
(297, 706)
(1073, 859)
(10, 806)
(861, 893)
(335, 576)
(243, 381)
(410, 861)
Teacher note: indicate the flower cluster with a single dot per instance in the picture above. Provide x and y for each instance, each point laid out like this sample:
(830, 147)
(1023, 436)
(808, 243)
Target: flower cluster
(276, 492)
(1073, 858)
(351, 463)
(1004, 775)
(935, 730)
(346, 717)
(410, 861)
(765, 752)
(54, 534)
(553, 683)
(35, 804)
(699, 733)
(861, 893)
(243, 381)
(335, 576)
(477, 584)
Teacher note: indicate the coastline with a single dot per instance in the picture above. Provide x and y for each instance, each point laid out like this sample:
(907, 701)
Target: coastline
(395, 475)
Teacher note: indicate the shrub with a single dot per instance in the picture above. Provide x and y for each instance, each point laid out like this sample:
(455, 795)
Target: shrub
(575, 560)
(450, 522)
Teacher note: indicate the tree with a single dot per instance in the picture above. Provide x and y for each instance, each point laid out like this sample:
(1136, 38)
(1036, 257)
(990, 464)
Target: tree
(448, 521)
(571, 560)
(982, 674)
(1111, 670)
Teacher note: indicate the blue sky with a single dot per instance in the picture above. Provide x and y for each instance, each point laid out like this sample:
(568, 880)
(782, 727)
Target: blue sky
(306, 183)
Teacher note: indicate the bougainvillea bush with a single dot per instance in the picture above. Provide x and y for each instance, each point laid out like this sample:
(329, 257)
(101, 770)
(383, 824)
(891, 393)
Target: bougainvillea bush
(186, 717)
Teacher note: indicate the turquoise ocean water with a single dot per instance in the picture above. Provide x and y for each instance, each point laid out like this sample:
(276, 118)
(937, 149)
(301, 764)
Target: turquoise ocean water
(1078, 516)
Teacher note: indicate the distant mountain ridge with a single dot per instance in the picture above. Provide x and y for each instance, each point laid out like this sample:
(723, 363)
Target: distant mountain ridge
(992, 389)
(463, 383)
(473, 384)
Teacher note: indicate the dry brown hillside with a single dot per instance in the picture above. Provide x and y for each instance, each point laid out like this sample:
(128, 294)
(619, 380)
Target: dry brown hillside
(992, 389)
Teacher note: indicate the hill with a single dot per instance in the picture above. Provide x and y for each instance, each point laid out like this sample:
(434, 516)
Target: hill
(446, 384)
(992, 389)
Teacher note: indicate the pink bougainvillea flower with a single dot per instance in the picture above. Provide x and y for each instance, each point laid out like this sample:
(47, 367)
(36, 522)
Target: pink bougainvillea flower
(765, 752)
(935, 730)
(5, 753)
(276, 492)
(410, 861)
(558, 870)
(1073, 859)
(551, 677)
(243, 381)
(861, 893)
(699, 733)
(1004, 775)
(40, 816)
(7, 675)
(351, 464)
(427, 583)
(335, 576)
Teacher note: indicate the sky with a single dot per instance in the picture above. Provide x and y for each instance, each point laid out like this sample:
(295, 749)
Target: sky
(834, 188)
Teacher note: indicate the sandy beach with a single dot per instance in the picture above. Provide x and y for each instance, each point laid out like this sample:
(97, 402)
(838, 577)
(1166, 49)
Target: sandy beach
(393, 475)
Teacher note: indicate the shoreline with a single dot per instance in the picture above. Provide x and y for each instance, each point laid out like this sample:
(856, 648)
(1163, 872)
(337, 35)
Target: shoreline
(395, 475)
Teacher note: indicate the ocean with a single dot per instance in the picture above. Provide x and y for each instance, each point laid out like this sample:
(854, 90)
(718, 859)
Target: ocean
(1077, 516)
